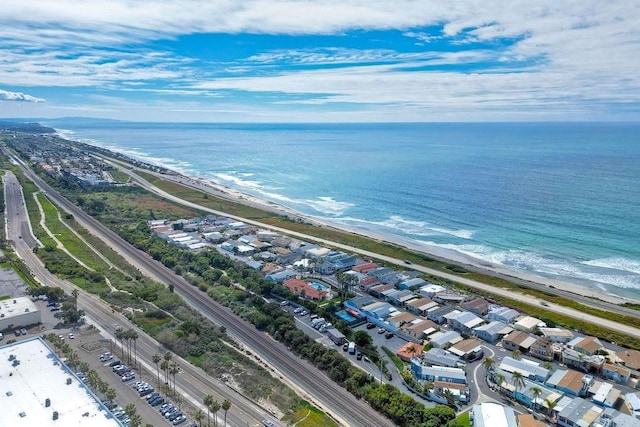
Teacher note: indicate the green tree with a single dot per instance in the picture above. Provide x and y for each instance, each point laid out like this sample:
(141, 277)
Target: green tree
(518, 381)
(535, 393)
(208, 401)
(215, 407)
(156, 359)
(226, 405)
(489, 364)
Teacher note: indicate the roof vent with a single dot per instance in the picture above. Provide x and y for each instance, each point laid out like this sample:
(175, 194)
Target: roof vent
(47, 402)
(68, 381)
(55, 415)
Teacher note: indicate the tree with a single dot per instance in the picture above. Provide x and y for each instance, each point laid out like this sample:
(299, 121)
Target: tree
(489, 364)
(134, 337)
(198, 417)
(499, 380)
(226, 405)
(173, 370)
(75, 294)
(518, 381)
(362, 339)
(550, 405)
(156, 359)
(535, 392)
(110, 394)
(120, 334)
(165, 368)
(208, 401)
(516, 354)
(427, 386)
(215, 407)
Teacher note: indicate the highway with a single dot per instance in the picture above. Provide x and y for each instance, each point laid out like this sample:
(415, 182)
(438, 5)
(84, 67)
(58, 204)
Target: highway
(317, 387)
(629, 330)
(192, 383)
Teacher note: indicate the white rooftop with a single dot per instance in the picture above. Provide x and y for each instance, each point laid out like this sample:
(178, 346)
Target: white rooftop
(40, 375)
(15, 306)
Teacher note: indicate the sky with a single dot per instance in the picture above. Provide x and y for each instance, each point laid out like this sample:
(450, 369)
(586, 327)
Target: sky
(321, 60)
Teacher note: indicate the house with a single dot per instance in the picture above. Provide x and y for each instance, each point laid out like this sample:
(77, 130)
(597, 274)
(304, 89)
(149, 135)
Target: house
(503, 314)
(377, 310)
(419, 329)
(440, 357)
(312, 291)
(400, 319)
(364, 268)
(618, 374)
(528, 324)
(437, 373)
(380, 272)
(478, 306)
(546, 349)
(613, 418)
(489, 414)
(437, 314)
(632, 401)
(430, 290)
(359, 302)
(527, 368)
(450, 298)
(519, 340)
(492, 332)
(464, 321)
(281, 276)
(579, 412)
(527, 420)
(421, 306)
(444, 339)
(581, 361)
(377, 291)
(412, 283)
(399, 298)
(460, 392)
(469, 349)
(570, 382)
(410, 350)
(524, 392)
(606, 395)
(557, 334)
(586, 345)
(629, 358)
(368, 282)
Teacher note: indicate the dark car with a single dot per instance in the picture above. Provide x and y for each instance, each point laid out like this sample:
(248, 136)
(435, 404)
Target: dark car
(359, 355)
(370, 325)
(388, 335)
(115, 363)
(345, 347)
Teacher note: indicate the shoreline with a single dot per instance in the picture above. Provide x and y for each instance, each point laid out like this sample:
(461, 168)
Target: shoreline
(440, 254)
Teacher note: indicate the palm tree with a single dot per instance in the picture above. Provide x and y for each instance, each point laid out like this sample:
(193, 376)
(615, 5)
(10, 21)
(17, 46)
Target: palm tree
(93, 379)
(136, 420)
(215, 407)
(499, 380)
(427, 386)
(226, 405)
(84, 367)
(208, 401)
(156, 360)
(535, 392)
(547, 365)
(133, 335)
(110, 394)
(120, 336)
(165, 368)
(516, 354)
(74, 294)
(173, 370)
(489, 364)
(130, 410)
(550, 405)
(199, 416)
(518, 381)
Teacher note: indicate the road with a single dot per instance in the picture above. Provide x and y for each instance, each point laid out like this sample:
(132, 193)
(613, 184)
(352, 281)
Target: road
(317, 387)
(576, 314)
(192, 382)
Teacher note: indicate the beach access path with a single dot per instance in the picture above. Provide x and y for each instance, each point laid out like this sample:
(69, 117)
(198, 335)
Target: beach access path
(527, 299)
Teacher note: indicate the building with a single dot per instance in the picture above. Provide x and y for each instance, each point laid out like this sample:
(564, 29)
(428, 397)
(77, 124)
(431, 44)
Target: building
(519, 340)
(557, 334)
(377, 310)
(438, 314)
(421, 306)
(478, 306)
(400, 319)
(527, 420)
(440, 357)
(572, 383)
(313, 291)
(527, 368)
(378, 291)
(37, 389)
(420, 329)
(17, 313)
(431, 290)
(546, 349)
(489, 414)
(605, 394)
(409, 351)
(281, 276)
(437, 373)
(463, 321)
(579, 412)
(412, 283)
(528, 324)
(492, 332)
(365, 267)
(586, 345)
(460, 392)
(629, 358)
(503, 314)
(399, 298)
(469, 349)
(632, 401)
(582, 361)
(619, 374)
(444, 339)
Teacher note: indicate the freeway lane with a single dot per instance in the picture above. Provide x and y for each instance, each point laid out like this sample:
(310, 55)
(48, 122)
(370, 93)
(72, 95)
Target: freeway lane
(320, 389)
(191, 382)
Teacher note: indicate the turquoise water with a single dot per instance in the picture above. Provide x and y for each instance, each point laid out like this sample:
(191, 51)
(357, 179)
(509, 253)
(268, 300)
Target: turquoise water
(557, 199)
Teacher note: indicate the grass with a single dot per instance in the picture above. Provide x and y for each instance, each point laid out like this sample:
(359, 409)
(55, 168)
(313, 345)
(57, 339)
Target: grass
(4, 297)
(306, 415)
(463, 419)
(396, 360)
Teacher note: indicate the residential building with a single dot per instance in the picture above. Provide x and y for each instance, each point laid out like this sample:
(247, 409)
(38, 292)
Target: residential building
(606, 395)
(440, 357)
(421, 306)
(469, 349)
(431, 290)
(412, 283)
(527, 420)
(570, 382)
(359, 302)
(578, 413)
(459, 391)
(409, 351)
(528, 324)
(519, 340)
(582, 361)
(399, 298)
(377, 310)
(629, 358)
(400, 319)
(546, 349)
(464, 321)
(492, 332)
(419, 329)
(444, 339)
(489, 414)
(619, 374)
(368, 282)
(438, 314)
(312, 291)
(557, 334)
(364, 268)
(437, 373)
(529, 369)
(478, 306)
(503, 314)
(586, 345)
(632, 401)
(281, 276)
(377, 291)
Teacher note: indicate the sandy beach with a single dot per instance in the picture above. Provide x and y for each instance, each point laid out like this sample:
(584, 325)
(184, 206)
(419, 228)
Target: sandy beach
(441, 254)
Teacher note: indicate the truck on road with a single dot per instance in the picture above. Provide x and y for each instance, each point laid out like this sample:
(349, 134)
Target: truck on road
(352, 348)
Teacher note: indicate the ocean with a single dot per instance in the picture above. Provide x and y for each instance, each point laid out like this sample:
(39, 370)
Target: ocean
(559, 200)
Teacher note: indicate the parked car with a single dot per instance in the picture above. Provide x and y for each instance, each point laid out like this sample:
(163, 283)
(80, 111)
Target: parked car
(128, 377)
(115, 363)
(179, 420)
(359, 355)
(370, 325)
(389, 335)
(345, 347)
(71, 335)
(304, 313)
(298, 310)
(382, 331)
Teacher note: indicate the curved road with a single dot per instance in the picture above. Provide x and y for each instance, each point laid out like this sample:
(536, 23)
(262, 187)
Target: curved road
(319, 388)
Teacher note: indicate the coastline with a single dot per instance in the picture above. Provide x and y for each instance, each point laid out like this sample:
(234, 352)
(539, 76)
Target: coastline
(435, 252)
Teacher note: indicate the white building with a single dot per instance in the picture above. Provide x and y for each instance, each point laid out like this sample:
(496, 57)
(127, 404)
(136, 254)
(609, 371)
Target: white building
(17, 313)
(37, 389)
(489, 414)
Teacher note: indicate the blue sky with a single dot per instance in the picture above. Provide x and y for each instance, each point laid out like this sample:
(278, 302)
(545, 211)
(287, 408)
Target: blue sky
(322, 60)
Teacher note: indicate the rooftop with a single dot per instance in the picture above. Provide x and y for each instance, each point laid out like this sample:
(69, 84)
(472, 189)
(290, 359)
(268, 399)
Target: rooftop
(16, 306)
(489, 414)
(40, 376)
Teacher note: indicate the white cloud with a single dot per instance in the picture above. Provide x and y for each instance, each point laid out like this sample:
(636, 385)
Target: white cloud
(18, 96)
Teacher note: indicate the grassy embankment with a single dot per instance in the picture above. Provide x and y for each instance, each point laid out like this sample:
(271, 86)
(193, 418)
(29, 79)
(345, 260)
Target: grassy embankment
(384, 248)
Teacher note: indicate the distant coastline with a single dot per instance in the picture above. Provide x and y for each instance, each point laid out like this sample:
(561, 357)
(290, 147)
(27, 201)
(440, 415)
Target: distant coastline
(444, 254)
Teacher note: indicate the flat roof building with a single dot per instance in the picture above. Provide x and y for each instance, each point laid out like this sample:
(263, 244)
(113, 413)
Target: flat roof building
(37, 389)
(489, 414)
(18, 312)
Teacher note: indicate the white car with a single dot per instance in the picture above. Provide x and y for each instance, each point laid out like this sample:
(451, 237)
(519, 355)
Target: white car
(71, 336)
